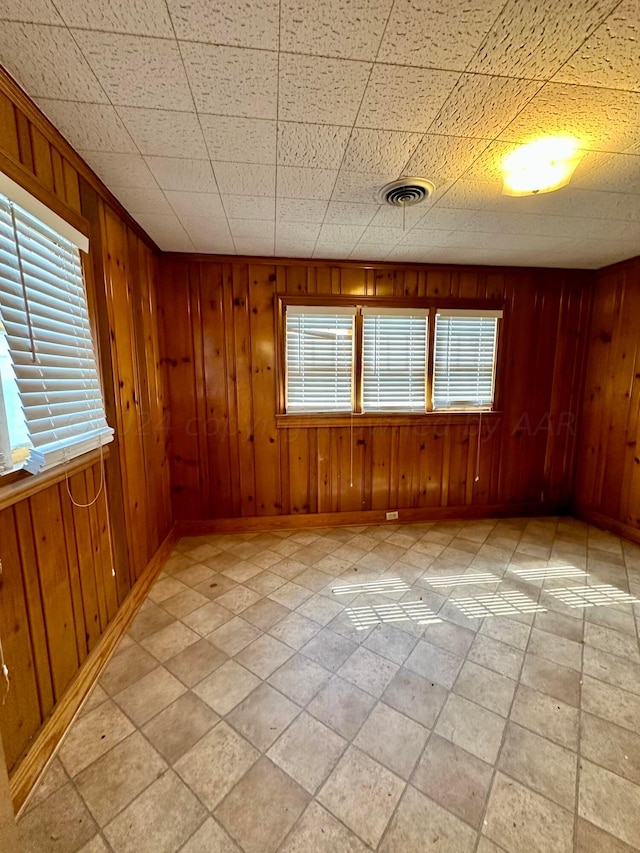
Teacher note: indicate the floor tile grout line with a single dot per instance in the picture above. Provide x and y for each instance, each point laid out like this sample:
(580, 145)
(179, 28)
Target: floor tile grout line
(579, 739)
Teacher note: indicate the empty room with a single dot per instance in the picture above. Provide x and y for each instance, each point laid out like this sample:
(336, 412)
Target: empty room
(319, 426)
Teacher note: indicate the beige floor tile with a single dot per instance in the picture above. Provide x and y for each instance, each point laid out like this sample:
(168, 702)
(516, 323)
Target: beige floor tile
(276, 803)
(320, 609)
(392, 739)
(291, 595)
(54, 778)
(434, 664)
(59, 823)
(262, 716)
(311, 579)
(415, 696)
(161, 818)
(500, 657)
(113, 781)
(610, 746)
(237, 599)
(265, 582)
(329, 649)
(241, 571)
(184, 603)
(266, 559)
(543, 766)
(471, 727)
(519, 819)
(320, 832)
(300, 679)
(93, 735)
(611, 703)
(307, 751)
(265, 613)
(610, 802)
(546, 716)
(215, 763)
(226, 687)
(362, 794)
(612, 642)
(420, 825)
(207, 618)
(289, 567)
(126, 668)
(165, 587)
(612, 669)
(451, 637)
(148, 696)
(169, 641)
(177, 728)
(592, 839)
(391, 643)
(96, 845)
(548, 677)
(369, 671)
(215, 586)
(295, 630)
(210, 838)
(194, 574)
(486, 688)
(234, 635)
(610, 617)
(507, 631)
(96, 697)
(342, 706)
(264, 655)
(195, 662)
(454, 778)
(557, 649)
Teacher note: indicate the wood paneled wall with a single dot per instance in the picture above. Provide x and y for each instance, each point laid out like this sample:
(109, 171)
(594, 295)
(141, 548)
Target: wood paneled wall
(608, 469)
(230, 457)
(66, 570)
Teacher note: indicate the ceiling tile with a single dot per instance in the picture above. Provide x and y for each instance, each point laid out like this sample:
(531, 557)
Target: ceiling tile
(482, 106)
(187, 204)
(243, 140)
(327, 251)
(340, 233)
(249, 206)
(176, 173)
(92, 127)
(305, 232)
(357, 187)
(245, 179)
(166, 230)
(409, 254)
(384, 152)
(533, 39)
(390, 216)
(321, 91)
(255, 229)
(137, 200)
(402, 98)
(252, 246)
(165, 133)
(370, 252)
(126, 170)
(228, 22)
(136, 71)
(383, 236)
(232, 81)
(437, 219)
(432, 35)
(347, 213)
(297, 249)
(618, 173)
(30, 11)
(300, 210)
(610, 56)
(425, 238)
(488, 165)
(46, 61)
(137, 17)
(295, 182)
(208, 235)
(468, 195)
(351, 29)
(318, 146)
(601, 119)
(442, 159)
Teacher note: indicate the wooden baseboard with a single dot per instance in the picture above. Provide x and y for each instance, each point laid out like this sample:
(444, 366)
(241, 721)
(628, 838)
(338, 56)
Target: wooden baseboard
(604, 522)
(354, 519)
(29, 770)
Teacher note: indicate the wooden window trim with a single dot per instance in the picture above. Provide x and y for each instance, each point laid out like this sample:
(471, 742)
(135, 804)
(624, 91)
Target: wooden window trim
(372, 419)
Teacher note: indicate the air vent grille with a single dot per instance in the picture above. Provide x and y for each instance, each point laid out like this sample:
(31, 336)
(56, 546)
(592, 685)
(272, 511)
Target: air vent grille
(405, 192)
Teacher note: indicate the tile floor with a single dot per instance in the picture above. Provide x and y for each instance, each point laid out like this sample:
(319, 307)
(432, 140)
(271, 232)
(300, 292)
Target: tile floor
(444, 687)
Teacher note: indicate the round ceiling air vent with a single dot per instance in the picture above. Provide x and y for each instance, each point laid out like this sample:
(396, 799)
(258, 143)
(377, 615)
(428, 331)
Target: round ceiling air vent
(405, 191)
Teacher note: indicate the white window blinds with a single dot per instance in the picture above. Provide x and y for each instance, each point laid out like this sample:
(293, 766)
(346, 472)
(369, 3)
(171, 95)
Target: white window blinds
(319, 359)
(464, 359)
(43, 310)
(394, 359)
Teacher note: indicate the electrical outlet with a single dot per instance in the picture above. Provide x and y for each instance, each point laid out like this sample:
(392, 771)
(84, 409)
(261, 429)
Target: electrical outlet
(391, 516)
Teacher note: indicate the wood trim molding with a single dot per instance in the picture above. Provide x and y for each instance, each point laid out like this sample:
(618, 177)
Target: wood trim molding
(24, 103)
(368, 419)
(46, 743)
(612, 525)
(257, 524)
(27, 485)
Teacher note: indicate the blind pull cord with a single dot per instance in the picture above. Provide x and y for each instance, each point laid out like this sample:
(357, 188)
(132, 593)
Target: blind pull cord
(27, 311)
(4, 669)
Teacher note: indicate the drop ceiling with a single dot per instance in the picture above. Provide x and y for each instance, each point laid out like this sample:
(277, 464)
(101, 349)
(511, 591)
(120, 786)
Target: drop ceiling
(265, 127)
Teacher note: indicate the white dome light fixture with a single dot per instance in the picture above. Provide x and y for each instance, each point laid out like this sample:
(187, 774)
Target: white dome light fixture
(541, 166)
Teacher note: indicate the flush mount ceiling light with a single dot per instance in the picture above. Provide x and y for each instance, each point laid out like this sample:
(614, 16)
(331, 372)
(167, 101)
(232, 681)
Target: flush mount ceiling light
(405, 192)
(540, 166)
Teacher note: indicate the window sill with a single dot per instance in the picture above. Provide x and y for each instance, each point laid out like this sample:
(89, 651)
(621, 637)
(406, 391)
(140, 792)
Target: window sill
(20, 486)
(382, 419)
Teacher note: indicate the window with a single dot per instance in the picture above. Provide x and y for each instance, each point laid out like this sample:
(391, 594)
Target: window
(376, 359)
(51, 407)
